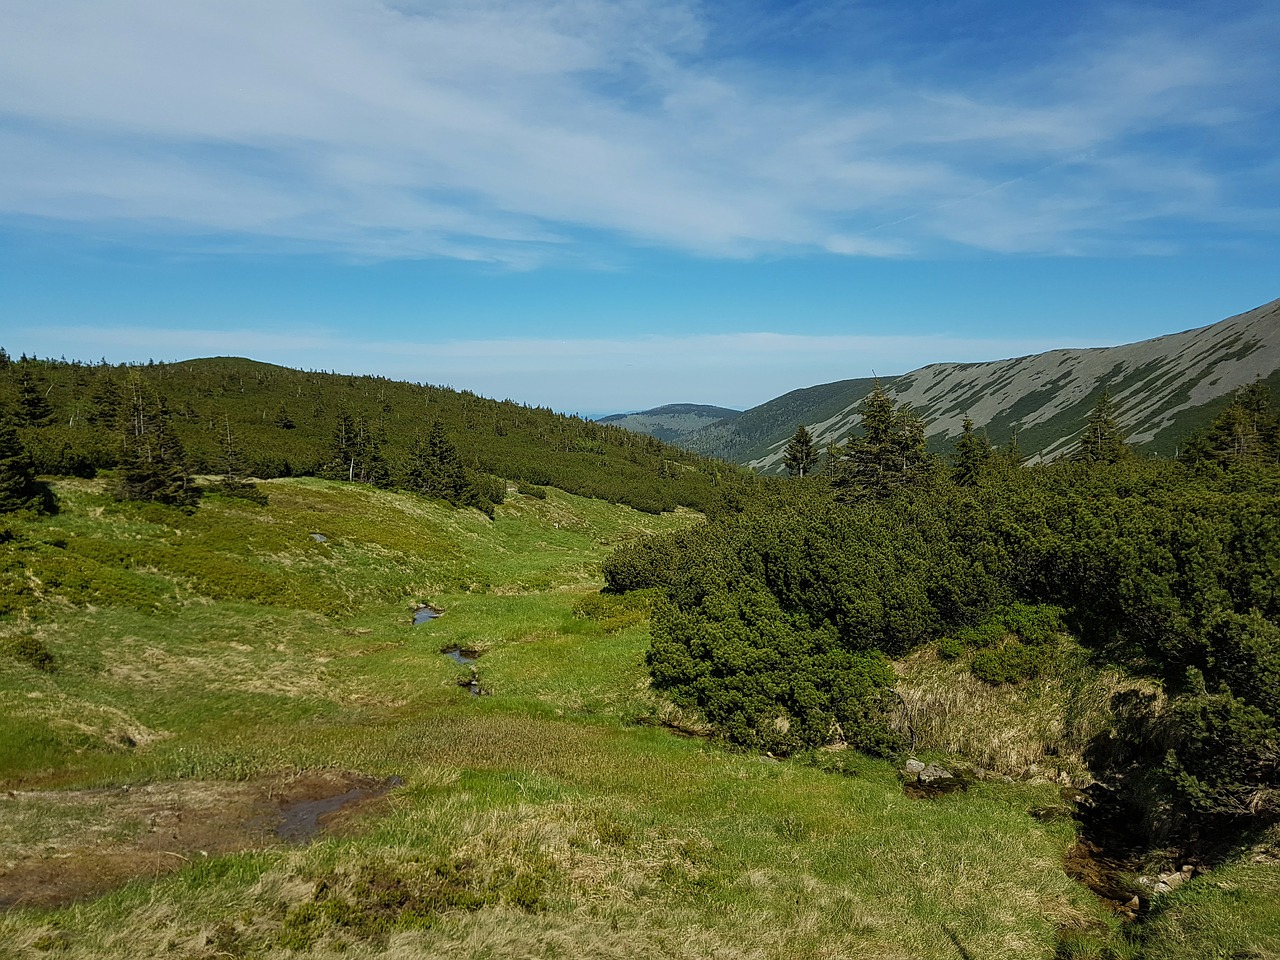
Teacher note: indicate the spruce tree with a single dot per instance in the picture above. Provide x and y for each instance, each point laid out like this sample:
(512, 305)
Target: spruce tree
(973, 452)
(19, 488)
(1246, 432)
(356, 452)
(1011, 452)
(153, 464)
(344, 450)
(435, 469)
(801, 455)
(33, 403)
(233, 482)
(105, 399)
(888, 455)
(1101, 440)
(446, 477)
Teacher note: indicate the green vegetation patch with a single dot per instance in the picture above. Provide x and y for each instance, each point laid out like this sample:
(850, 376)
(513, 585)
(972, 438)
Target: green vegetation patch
(539, 818)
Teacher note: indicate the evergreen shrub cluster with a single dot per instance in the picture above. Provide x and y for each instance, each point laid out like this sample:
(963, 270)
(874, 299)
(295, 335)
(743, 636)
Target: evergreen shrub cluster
(777, 622)
(1017, 643)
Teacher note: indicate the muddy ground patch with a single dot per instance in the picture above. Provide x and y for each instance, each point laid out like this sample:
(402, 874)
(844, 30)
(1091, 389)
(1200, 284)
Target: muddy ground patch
(59, 846)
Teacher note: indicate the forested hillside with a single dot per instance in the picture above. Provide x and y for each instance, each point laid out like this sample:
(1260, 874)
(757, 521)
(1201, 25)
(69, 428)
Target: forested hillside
(750, 434)
(250, 419)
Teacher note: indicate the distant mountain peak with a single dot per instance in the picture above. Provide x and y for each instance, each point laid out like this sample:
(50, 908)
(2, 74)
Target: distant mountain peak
(676, 409)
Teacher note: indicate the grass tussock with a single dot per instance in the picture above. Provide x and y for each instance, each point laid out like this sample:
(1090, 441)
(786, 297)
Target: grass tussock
(1040, 727)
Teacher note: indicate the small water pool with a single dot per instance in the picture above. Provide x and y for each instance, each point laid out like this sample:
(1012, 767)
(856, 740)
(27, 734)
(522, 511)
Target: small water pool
(461, 657)
(424, 613)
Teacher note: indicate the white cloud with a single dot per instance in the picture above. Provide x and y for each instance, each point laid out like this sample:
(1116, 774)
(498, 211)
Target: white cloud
(506, 129)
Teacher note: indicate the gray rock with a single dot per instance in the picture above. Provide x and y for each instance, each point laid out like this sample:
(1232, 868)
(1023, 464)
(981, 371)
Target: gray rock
(913, 768)
(1170, 882)
(934, 772)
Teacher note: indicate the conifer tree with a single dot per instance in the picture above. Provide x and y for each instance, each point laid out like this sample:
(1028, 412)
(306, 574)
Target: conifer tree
(1247, 431)
(233, 482)
(1101, 440)
(973, 452)
(801, 455)
(33, 404)
(356, 452)
(344, 449)
(105, 399)
(153, 464)
(435, 469)
(19, 489)
(889, 454)
(373, 467)
(1011, 452)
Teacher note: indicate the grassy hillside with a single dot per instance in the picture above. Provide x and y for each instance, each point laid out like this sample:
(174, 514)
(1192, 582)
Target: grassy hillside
(284, 423)
(217, 664)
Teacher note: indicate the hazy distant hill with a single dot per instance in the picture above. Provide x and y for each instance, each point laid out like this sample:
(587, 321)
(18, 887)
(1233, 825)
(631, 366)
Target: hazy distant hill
(672, 422)
(1163, 388)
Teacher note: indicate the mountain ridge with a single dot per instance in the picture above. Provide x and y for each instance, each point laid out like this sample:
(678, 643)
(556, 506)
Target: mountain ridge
(1161, 388)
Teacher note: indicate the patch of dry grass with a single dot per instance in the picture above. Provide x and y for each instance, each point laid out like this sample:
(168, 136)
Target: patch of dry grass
(1037, 728)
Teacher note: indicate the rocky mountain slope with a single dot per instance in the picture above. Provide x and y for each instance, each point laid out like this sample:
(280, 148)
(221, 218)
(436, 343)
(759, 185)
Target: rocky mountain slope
(1162, 388)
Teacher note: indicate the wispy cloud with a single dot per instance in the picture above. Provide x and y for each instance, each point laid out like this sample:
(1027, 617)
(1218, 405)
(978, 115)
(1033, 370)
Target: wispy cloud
(510, 130)
(738, 369)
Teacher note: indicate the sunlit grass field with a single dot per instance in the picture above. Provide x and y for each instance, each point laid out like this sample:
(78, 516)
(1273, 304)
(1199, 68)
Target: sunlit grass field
(547, 818)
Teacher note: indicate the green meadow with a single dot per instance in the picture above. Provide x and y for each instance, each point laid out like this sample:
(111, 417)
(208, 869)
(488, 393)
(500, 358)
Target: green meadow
(209, 658)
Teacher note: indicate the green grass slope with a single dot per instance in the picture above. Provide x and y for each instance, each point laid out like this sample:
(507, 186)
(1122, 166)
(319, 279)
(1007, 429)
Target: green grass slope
(194, 652)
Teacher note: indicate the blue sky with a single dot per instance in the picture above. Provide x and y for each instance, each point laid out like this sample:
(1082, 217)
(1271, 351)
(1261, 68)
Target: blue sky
(601, 206)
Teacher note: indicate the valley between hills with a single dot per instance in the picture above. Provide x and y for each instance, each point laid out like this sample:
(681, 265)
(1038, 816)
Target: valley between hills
(911, 705)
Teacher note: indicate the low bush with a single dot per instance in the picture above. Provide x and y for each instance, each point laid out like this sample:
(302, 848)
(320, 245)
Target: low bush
(1010, 662)
(32, 651)
(614, 611)
(531, 490)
